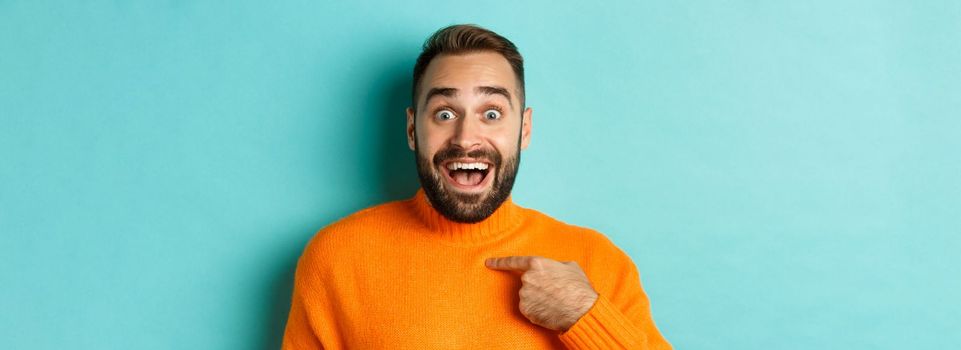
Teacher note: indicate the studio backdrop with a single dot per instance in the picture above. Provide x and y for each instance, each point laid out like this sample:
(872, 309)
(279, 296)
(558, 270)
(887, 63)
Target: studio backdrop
(785, 175)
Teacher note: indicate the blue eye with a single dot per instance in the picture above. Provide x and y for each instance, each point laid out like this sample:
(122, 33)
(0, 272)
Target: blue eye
(444, 115)
(492, 114)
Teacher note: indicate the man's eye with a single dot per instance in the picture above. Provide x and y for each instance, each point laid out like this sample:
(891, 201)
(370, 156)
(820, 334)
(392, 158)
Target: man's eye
(492, 114)
(444, 115)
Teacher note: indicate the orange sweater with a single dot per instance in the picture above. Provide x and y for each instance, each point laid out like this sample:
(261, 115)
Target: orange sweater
(401, 276)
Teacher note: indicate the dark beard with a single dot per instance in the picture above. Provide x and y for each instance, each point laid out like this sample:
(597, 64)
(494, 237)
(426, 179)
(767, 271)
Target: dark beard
(467, 208)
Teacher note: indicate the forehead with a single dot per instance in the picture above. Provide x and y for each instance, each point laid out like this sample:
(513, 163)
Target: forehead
(466, 71)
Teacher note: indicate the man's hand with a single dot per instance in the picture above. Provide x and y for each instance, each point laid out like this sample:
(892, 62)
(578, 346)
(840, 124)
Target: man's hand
(554, 294)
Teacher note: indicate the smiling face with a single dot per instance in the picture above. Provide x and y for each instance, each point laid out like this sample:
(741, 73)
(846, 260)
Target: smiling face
(467, 131)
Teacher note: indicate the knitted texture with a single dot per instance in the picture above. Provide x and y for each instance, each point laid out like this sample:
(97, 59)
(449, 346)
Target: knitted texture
(401, 276)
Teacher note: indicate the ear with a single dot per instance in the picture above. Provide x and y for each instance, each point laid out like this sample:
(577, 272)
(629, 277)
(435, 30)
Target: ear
(526, 127)
(410, 128)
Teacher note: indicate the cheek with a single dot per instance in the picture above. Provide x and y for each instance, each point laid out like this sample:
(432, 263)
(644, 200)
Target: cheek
(428, 147)
(507, 143)
(432, 137)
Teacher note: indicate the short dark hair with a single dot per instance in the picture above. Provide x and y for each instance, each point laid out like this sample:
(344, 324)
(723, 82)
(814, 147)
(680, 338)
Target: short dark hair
(466, 38)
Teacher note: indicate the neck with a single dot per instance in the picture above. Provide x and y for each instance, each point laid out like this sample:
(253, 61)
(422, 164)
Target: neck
(505, 218)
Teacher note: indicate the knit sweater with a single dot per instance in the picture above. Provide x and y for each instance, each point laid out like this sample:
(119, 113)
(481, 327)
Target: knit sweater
(401, 276)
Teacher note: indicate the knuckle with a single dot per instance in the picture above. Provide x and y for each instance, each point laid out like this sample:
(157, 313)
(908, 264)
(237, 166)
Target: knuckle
(537, 262)
(525, 308)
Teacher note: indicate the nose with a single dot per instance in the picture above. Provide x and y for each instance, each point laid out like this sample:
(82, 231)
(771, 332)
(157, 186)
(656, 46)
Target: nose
(467, 134)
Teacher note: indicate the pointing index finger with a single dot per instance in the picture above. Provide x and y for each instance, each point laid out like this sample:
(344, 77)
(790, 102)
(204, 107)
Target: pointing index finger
(514, 263)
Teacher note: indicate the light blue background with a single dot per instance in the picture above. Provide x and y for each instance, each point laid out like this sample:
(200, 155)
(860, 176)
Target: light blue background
(785, 175)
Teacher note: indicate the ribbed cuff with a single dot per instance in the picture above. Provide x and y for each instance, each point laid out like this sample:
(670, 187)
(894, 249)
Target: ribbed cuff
(602, 327)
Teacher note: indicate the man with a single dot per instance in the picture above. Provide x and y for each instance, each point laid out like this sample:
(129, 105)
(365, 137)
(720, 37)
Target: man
(459, 265)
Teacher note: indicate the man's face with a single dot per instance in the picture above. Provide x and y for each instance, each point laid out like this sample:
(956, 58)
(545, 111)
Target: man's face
(467, 133)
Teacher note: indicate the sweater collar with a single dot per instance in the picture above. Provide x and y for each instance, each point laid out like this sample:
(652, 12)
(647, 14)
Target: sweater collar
(505, 218)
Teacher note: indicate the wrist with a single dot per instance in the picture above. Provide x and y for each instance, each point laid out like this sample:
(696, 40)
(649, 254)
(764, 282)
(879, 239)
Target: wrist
(584, 306)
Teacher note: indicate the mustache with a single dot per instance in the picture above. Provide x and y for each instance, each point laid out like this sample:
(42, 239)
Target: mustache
(489, 155)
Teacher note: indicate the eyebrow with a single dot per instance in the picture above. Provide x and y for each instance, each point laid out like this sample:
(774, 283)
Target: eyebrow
(439, 91)
(452, 92)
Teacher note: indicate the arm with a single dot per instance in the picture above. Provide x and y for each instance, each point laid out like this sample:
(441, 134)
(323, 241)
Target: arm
(299, 334)
(620, 317)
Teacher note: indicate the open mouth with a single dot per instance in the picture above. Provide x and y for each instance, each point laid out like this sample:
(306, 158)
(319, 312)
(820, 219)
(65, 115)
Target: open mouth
(466, 174)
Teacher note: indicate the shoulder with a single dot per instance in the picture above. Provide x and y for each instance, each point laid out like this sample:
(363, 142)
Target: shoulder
(355, 231)
(594, 246)
(606, 264)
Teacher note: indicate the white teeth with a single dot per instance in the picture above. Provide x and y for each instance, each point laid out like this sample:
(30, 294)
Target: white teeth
(458, 165)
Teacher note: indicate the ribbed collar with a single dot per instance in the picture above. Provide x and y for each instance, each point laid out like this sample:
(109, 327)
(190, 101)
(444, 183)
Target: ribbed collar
(505, 218)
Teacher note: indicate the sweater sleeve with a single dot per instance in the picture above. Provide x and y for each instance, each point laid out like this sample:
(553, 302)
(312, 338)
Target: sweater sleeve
(619, 319)
(299, 334)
